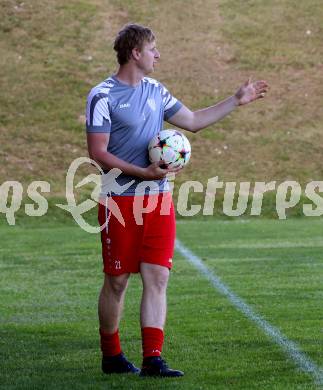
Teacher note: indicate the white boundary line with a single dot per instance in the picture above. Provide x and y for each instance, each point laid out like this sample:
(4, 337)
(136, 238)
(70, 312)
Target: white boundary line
(291, 348)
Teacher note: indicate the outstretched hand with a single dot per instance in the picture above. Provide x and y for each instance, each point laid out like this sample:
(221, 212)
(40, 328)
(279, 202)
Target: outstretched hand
(251, 91)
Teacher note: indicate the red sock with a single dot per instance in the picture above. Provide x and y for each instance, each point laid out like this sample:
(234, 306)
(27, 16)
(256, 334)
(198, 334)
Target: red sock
(110, 343)
(152, 341)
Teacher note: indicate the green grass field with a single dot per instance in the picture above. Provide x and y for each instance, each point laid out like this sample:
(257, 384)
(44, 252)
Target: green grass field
(50, 278)
(51, 54)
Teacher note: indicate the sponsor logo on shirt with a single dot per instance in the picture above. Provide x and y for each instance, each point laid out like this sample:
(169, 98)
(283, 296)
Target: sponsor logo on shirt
(124, 105)
(152, 104)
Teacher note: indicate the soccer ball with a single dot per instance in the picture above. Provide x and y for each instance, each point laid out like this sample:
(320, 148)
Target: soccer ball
(170, 146)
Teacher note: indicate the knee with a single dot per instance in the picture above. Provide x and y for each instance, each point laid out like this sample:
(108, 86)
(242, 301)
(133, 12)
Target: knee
(157, 281)
(161, 282)
(116, 285)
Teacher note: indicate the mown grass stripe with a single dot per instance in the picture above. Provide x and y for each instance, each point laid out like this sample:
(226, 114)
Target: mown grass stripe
(290, 347)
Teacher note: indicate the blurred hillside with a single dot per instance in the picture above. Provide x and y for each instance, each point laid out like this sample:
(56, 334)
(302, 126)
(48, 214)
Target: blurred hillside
(53, 52)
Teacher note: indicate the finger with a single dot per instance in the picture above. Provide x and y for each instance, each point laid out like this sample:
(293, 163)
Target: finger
(261, 84)
(175, 170)
(262, 90)
(248, 81)
(163, 165)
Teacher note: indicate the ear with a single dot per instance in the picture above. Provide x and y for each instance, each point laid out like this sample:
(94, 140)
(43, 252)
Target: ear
(136, 53)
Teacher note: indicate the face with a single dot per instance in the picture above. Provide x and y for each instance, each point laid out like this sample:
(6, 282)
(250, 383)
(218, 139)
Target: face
(148, 57)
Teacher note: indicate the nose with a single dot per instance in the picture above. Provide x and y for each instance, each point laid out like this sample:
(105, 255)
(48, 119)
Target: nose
(157, 54)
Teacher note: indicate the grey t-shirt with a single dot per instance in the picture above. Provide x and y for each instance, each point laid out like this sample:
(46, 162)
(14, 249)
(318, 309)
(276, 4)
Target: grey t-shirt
(132, 116)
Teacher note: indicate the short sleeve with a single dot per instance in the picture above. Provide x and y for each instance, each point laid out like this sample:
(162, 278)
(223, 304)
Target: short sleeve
(171, 104)
(97, 113)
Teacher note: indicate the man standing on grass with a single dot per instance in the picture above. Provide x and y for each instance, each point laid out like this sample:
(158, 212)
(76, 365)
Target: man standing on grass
(123, 113)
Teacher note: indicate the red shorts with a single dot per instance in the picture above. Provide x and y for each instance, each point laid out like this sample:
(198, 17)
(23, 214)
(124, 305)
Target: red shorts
(148, 234)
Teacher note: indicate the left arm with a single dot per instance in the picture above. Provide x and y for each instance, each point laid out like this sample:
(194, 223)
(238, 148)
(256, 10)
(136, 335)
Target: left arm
(196, 120)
